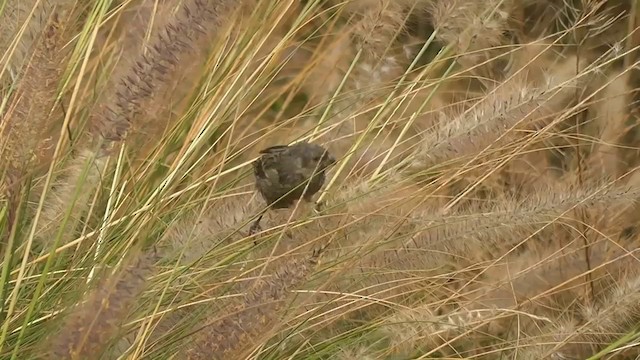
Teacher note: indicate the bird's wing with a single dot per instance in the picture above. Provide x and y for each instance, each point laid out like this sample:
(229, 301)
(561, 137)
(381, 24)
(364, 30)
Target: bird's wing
(274, 149)
(267, 159)
(258, 171)
(268, 165)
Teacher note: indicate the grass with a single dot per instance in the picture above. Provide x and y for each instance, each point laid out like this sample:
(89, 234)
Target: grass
(484, 204)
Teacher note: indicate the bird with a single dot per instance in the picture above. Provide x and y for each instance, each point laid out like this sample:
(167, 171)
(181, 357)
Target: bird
(285, 174)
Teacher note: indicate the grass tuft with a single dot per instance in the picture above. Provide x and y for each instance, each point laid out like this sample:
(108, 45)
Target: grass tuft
(484, 203)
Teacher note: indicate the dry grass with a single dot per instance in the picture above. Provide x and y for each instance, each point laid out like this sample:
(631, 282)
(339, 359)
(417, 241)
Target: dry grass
(484, 206)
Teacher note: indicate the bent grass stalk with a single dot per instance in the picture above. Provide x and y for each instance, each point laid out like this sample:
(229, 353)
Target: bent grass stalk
(442, 254)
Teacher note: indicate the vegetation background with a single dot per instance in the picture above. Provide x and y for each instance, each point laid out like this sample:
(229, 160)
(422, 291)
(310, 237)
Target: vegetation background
(484, 205)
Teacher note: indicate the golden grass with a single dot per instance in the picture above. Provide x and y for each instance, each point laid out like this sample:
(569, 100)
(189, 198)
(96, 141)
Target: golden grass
(484, 205)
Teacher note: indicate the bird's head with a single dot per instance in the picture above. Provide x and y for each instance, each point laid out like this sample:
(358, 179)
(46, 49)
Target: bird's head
(318, 157)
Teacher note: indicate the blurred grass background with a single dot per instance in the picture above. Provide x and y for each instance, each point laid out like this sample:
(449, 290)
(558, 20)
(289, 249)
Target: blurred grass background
(484, 205)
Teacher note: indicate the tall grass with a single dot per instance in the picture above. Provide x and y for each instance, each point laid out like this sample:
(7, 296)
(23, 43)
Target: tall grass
(484, 205)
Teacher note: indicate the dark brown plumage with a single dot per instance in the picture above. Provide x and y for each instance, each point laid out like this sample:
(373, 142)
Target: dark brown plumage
(287, 173)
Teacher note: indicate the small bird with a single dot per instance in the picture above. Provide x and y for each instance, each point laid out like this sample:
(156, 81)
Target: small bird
(287, 173)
